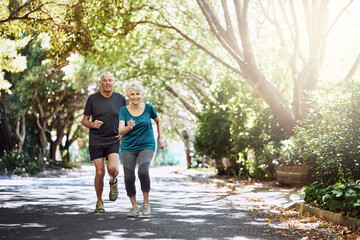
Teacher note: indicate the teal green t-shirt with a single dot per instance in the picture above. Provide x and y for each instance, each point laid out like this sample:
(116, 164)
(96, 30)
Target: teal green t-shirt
(142, 135)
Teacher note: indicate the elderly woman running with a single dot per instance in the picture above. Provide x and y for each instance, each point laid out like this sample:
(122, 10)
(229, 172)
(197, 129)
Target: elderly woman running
(138, 143)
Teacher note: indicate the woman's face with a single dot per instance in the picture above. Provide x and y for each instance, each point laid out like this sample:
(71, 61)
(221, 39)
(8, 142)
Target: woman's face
(135, 97)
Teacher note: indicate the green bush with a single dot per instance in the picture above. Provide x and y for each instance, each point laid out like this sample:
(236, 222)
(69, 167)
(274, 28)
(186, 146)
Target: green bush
(18, 163)
(236, 126)
(330, 134)
(340, 197)
(213, 136)
(256, 135)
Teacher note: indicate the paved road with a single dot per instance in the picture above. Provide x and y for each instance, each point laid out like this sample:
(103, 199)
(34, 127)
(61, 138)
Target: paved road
(62, 207)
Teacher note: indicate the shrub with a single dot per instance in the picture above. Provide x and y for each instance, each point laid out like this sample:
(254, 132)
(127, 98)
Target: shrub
(18, 163)
(330, 134)
(344, 197)
(256, 135)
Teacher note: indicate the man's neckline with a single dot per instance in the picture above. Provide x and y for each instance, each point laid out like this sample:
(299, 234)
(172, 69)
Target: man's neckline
(105, 96)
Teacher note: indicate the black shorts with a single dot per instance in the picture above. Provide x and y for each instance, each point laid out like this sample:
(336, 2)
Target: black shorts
(102, 151)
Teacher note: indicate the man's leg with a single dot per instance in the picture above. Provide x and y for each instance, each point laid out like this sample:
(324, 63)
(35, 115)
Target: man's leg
(99, 177)
(113, 166)
(113, 171)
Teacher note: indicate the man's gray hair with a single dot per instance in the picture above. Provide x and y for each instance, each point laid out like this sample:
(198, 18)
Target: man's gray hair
(136, 86)
(107, 74)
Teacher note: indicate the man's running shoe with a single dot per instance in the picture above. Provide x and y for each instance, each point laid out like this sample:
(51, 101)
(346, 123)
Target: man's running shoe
(134, 212)
(146, 210)
(113, 194)
(99, 207)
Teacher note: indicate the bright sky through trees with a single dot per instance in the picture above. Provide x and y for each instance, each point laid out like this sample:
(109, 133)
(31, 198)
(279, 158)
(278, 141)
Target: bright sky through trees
(183, 52)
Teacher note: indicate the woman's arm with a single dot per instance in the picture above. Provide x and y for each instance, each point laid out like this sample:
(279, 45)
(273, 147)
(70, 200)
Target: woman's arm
(160, 133)
(122, 129)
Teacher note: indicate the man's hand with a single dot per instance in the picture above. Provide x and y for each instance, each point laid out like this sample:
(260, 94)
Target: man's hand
(96, 124)
(119, 137)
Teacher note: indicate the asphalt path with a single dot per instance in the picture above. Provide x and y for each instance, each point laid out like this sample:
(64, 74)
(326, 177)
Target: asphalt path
(62, 207)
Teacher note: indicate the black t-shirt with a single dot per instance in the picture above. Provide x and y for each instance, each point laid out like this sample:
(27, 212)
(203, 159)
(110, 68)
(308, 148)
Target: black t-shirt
(106, 110)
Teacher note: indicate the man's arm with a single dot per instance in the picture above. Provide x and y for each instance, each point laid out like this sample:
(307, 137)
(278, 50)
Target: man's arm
(86, 122)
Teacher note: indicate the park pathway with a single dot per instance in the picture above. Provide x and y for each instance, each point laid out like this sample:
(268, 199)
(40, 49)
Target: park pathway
(62, 207)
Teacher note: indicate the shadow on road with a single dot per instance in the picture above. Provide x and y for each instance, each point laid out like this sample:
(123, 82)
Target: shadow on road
(63, 208)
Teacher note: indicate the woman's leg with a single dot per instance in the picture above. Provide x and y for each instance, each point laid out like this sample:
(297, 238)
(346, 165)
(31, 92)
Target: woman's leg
(129, 163)
(145, 157)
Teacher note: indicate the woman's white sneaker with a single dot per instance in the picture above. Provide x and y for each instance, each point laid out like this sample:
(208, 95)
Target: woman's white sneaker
(146, 210)
(134, 212)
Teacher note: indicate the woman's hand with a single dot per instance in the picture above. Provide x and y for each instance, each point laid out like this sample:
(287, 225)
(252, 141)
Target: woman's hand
(131, 123)
(162, 144)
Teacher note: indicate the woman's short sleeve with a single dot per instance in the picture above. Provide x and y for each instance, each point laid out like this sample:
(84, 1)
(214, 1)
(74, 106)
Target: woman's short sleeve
(122, 116)
(153, 113)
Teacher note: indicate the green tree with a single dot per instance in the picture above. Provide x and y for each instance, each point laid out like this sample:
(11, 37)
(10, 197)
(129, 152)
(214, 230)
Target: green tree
(241, 28)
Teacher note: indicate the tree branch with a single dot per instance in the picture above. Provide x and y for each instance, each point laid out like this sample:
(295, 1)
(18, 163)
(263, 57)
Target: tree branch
(242, 14)
(186, 105)
(12, 16)
(218, 31)
(353, 69)
(230, 30)
(197, 45)
(338, 17)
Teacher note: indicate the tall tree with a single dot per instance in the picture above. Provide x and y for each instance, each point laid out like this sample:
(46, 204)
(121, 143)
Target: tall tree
(233, 26)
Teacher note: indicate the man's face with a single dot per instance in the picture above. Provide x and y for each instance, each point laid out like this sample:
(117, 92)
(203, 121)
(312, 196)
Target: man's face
(107, 83)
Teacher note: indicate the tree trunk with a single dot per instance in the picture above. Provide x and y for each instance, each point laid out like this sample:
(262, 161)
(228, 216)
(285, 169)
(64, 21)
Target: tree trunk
(186, 139)
(272, 96)
(14, 135)
(188, 157)
(65, 149)
(53, 147)
(184, 136)
(42, 141)
(20, 133)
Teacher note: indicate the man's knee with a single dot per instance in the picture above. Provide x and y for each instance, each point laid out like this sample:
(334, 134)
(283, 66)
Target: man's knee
(99, 167)
(100, 172)
(113, 163)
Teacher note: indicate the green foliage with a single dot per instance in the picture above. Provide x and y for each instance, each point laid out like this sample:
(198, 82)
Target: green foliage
(256, 134)
(234, 125)
(289, 153)
(343, 197)
(18, 163)
(330, 134)
(213, 135)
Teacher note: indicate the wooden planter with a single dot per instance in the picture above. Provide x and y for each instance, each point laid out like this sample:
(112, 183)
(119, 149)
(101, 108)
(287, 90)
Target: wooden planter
(292, 175)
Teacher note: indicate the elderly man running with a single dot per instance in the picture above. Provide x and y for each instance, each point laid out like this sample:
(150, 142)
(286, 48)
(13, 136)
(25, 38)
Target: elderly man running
(104, 108)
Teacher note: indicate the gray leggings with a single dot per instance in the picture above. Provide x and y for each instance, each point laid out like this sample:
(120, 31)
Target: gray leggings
(129, 163)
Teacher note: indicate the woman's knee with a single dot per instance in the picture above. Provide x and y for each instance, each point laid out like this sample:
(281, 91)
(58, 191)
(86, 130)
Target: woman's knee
(129, 180)
(143, 173)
